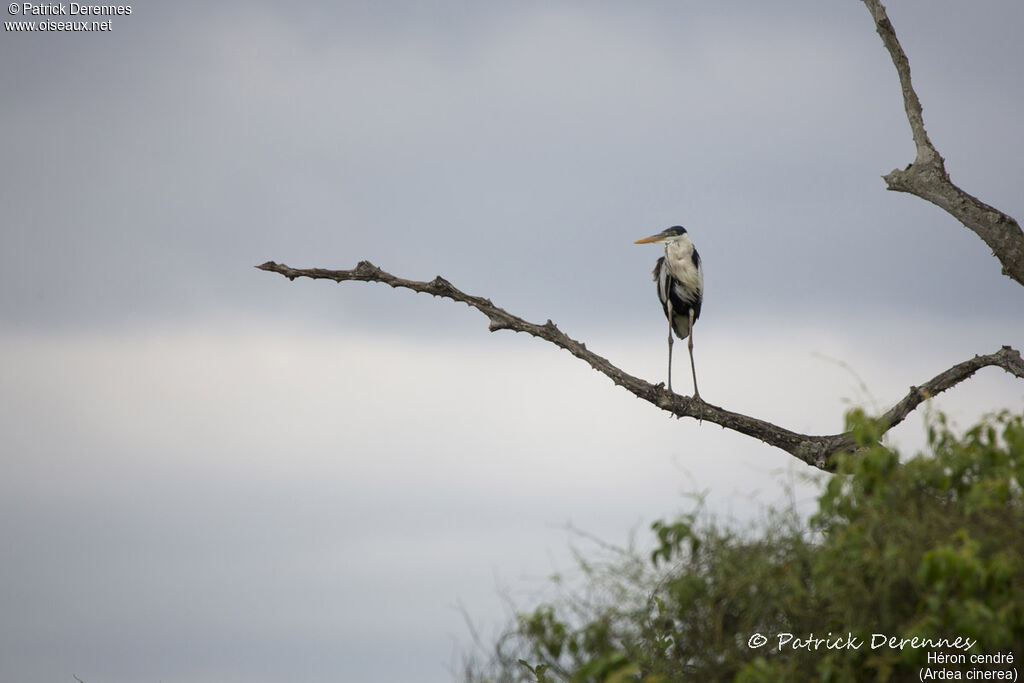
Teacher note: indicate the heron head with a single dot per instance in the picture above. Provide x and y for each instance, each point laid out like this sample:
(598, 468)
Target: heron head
(664, 236)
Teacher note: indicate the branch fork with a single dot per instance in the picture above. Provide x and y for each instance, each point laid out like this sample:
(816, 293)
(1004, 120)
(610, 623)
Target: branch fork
(927, 178)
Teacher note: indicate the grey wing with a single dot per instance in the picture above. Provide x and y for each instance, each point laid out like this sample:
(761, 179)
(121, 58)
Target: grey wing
(664, 281)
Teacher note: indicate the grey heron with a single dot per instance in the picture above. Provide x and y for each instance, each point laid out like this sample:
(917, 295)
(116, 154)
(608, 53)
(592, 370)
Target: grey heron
(680, 280)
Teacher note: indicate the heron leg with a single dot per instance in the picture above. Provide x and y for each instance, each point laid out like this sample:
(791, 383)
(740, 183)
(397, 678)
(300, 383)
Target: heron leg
(693, 368)
(670, 346)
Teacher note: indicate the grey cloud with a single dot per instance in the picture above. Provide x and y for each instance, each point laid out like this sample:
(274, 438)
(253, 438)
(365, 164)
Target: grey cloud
(512, 151)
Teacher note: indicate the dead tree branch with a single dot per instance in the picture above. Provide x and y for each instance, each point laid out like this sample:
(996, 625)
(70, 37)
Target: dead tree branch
(814, 450)
(926, 177)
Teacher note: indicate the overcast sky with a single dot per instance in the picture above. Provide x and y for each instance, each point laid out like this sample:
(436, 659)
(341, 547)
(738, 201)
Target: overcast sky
(213, 474)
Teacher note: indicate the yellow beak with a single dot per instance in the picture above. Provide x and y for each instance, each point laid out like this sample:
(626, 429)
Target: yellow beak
(653, 238)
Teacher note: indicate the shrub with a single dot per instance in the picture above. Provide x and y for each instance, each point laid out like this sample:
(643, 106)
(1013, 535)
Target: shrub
(929, 548)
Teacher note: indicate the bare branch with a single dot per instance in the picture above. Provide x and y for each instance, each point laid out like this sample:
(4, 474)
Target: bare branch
(1006, 358)
(816, 451)
(926, 177)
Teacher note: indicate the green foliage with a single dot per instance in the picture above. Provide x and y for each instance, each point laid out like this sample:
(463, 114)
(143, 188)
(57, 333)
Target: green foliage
(671, 537)
(930, 547)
